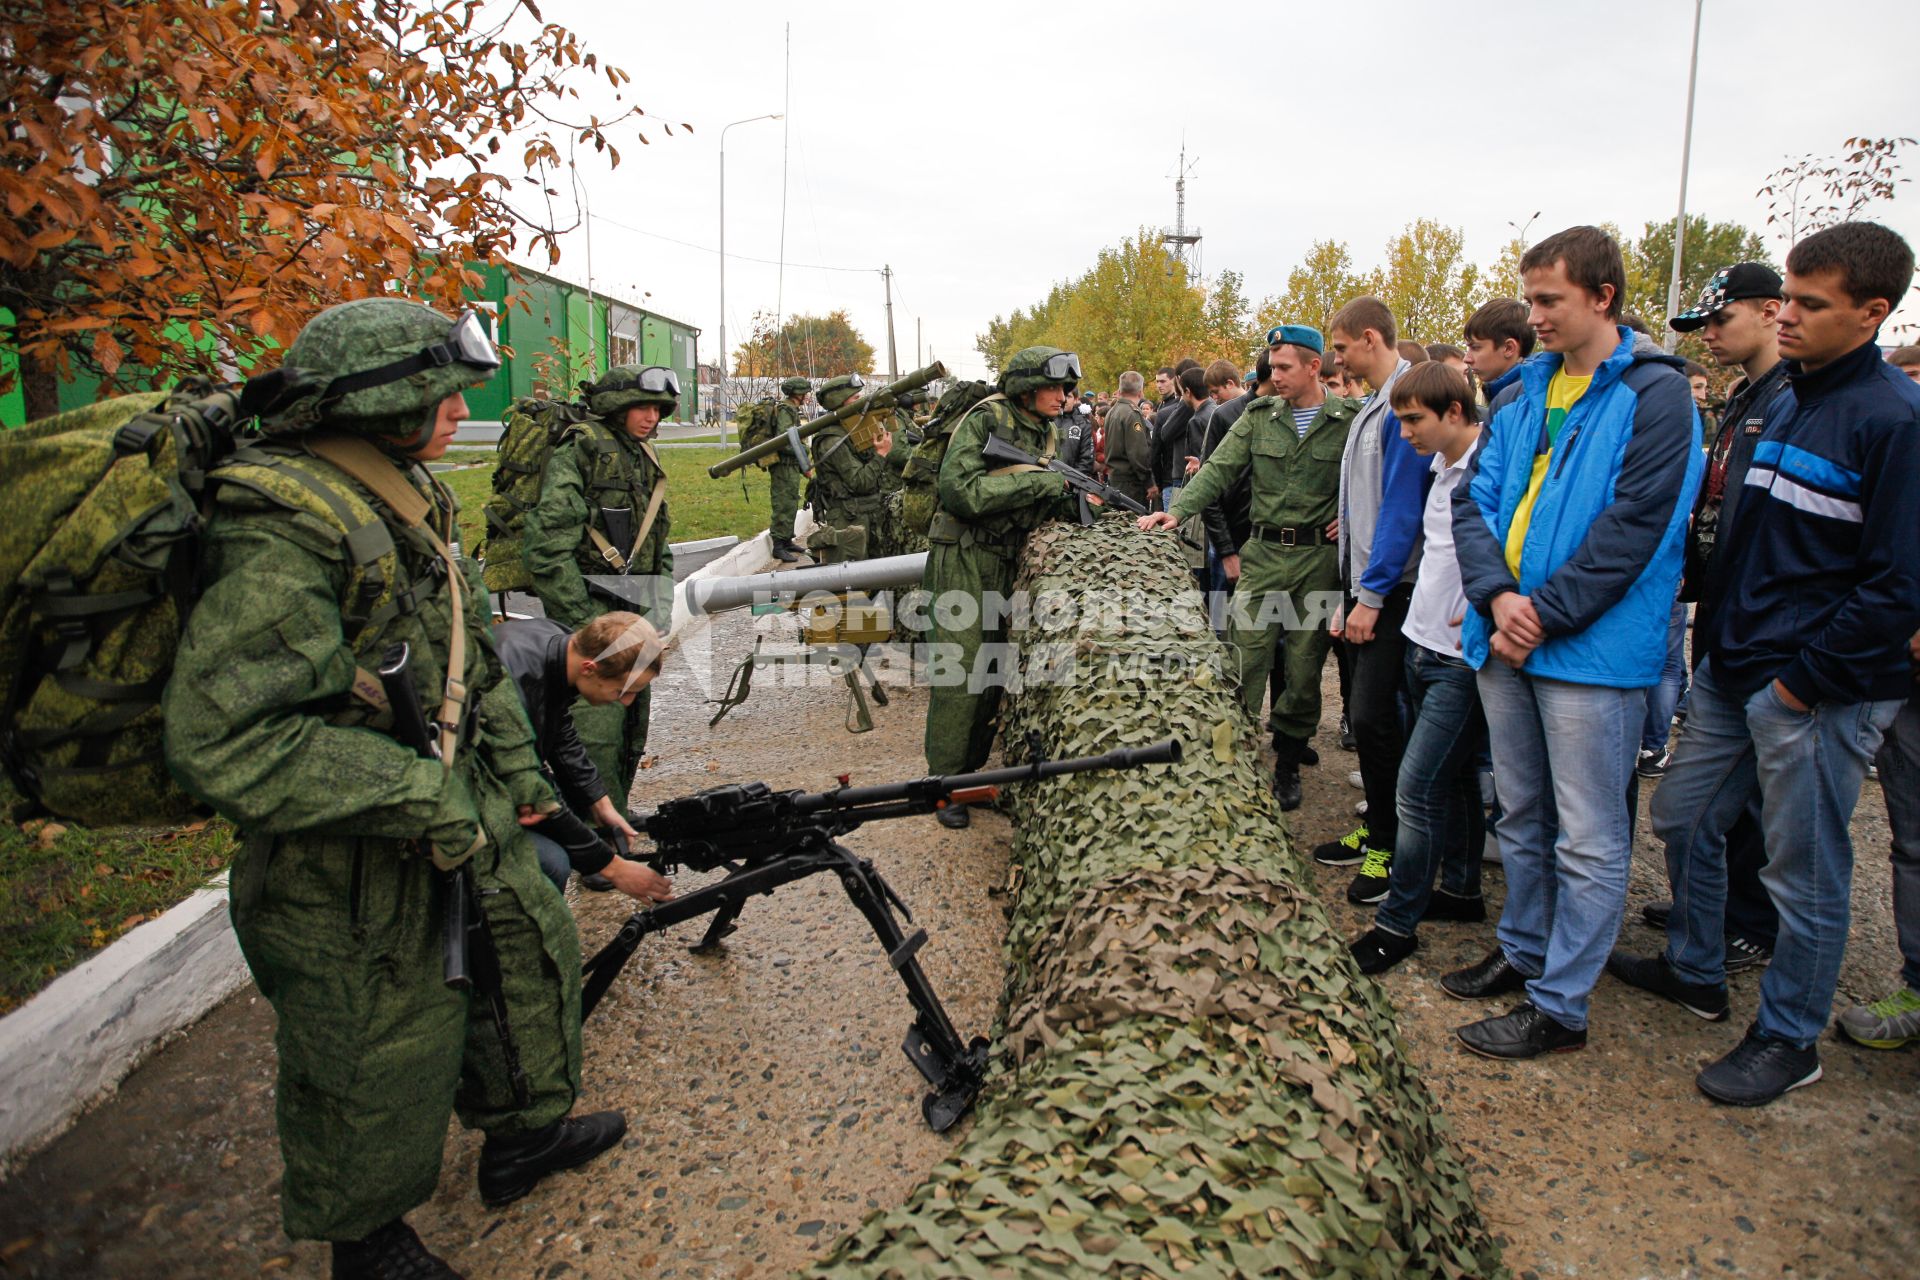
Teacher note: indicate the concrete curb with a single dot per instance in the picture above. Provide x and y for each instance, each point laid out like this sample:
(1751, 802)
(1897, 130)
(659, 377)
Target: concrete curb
(76, 1041)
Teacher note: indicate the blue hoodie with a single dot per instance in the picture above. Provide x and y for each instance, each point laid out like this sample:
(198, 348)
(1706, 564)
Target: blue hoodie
(1601, 556)
(1822, 580)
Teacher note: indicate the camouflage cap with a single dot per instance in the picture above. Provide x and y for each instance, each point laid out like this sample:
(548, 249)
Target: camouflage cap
(626, 385)
(362, 337)
(837, 391)
(795, 387)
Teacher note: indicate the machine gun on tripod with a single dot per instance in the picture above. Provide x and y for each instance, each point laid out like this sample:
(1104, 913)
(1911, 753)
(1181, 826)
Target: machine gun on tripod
(766, 838)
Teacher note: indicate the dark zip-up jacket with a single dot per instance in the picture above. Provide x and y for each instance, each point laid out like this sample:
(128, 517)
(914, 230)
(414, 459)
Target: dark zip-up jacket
(1728, 458)
(1821, 587)
(1229, 520)
(534, 652)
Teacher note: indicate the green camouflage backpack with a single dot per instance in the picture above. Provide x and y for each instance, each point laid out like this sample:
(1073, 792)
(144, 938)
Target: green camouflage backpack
(921, 475)
(97, 567)
(534, 426)
(759, 422)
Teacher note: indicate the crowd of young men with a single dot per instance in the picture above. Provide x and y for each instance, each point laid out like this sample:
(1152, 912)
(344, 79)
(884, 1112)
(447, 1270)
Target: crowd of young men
(1516, 561)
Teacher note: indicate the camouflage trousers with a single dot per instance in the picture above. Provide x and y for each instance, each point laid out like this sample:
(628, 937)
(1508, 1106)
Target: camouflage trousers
(615, 738)
(1261, 618)
(344, 937)
(783, 479)
(960, 711)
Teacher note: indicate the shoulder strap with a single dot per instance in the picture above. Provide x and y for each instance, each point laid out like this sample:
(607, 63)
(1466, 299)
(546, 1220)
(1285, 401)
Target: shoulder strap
(364, 462)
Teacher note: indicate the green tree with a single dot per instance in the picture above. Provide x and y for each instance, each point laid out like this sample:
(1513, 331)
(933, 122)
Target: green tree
(1427, 281)
(1318, 287)
(1709, 247)
(816, 346)
(1502, 279)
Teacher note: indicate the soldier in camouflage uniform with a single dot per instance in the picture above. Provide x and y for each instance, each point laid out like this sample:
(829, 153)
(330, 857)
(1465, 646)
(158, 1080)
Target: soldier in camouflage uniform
(604, 487)
(977, 532)
(784, 473)
(338, 891)
(1289, 558)
(850, 482)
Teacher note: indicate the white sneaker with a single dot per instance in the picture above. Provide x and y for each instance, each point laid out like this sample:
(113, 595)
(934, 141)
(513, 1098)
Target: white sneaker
(1360, 808)
(1355, 781)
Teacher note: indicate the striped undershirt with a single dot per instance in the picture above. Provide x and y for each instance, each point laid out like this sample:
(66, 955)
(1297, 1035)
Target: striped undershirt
(1303, 418)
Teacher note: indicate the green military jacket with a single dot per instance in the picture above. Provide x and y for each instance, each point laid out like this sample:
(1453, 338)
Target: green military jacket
(595, 468)
(1129, 450)
(849, 484)
(270, 715)
(1296, 479)
(978, 508)
(785, 418)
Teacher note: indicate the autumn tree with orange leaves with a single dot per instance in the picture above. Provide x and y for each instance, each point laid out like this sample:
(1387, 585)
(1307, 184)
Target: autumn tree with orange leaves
(183, 183)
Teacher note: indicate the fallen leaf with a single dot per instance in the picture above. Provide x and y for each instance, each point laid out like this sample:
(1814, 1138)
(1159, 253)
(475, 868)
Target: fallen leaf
(151, 1216)
(132, 920)
(104, 869)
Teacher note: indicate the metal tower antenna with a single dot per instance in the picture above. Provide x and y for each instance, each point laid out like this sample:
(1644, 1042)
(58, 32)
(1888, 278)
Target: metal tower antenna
(1185, 242)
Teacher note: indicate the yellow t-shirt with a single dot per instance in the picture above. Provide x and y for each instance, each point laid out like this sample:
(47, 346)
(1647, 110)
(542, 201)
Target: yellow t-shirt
(1562, 394)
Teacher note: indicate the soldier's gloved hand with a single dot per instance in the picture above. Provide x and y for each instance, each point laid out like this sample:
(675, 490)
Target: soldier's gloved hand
(453, 833)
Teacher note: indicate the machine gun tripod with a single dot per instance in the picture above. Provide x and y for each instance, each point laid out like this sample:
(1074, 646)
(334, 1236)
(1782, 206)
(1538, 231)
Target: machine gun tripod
(765, 839)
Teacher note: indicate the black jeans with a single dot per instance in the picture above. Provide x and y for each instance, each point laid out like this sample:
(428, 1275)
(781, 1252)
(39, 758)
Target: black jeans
(1375, 710)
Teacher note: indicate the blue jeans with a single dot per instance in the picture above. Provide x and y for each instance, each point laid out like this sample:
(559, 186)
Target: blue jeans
(1899, 762)
(1806, 767)
(553, 859)
(1438, 797)
(1562, 755)
(1664, 698)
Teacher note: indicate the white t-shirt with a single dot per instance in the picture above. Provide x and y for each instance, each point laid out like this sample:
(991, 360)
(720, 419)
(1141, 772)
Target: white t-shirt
(1438, 597)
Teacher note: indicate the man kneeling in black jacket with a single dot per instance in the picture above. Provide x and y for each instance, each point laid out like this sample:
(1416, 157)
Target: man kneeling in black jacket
(609, 660)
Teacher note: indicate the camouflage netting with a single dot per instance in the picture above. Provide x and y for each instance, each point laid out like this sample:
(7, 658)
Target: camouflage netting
(1196, 1081)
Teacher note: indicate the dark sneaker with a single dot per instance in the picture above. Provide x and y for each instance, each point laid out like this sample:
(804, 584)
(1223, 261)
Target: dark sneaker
(954, 817)
(392, 1252)
(1286, 785)
(1653, 973)
(1377, 951)
(1493, 976)
(509, 1167)
(1370, 885)
(1524, 1033)
(1744, 953)
(1657, 914)
(1346, 734)
(1451, 906)
(1652, 764)
(596, 883)
(1885, 1024)
(1758, 1070)
(1344, 852)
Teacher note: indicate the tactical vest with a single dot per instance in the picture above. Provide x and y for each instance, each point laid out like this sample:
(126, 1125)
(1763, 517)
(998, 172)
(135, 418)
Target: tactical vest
(1003, 531)
(620, 474)
(834, 505)
(395, 588)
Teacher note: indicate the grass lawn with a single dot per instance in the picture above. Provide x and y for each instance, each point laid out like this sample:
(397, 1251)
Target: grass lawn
(66, 892)
(699, 507)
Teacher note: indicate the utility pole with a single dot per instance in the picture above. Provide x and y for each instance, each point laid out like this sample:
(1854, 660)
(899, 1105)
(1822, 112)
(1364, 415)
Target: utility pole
(1686, 156)
(893, 361)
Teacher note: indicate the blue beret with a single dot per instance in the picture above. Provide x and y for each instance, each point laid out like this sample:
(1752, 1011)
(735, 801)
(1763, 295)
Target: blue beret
(1296, 335)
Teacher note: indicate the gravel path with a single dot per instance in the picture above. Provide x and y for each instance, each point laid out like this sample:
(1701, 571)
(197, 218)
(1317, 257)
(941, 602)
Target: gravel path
(771, 1108)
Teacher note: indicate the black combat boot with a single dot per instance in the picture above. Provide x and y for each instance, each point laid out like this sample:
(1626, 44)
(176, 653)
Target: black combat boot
(392, 1252)
(785, 552)
(509, 1167)
(1286, 770)
(953, 817)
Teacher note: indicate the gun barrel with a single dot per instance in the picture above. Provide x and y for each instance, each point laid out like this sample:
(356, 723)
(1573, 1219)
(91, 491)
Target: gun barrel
(851, 409)
(716, 595)
(1166, 752)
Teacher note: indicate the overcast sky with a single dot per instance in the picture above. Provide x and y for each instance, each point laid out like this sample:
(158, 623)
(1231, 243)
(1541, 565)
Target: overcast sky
(987, 151)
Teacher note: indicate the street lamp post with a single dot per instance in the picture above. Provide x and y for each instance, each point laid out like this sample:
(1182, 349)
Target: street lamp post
(1686, 157)
(1520, 228)
(721, 397)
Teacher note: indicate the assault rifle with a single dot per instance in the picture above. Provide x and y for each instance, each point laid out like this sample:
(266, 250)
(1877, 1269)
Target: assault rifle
(1001, 453)
(766, 838)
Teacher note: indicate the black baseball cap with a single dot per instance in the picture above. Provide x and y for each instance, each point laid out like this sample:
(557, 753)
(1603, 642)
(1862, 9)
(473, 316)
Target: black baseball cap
(1729, 284)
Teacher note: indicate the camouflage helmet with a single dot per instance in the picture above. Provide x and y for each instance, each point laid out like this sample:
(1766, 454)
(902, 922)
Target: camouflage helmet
(1034, 367)
(626, 385)
(795, 387)
(837, 391)
(385, 363)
